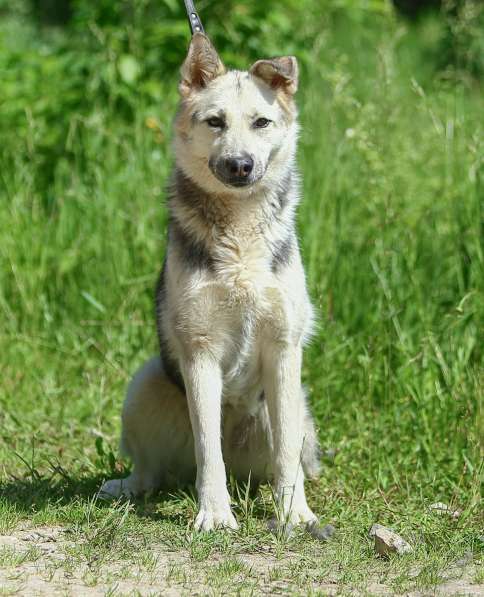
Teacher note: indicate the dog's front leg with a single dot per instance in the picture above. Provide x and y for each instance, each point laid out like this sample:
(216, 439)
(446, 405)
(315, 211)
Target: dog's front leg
(203, 381)
(282, 385)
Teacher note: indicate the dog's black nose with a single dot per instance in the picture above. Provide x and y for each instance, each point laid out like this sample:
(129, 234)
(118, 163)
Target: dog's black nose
(239, 166)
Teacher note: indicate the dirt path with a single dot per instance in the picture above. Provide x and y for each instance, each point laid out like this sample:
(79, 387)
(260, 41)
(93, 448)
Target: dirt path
(45, 561)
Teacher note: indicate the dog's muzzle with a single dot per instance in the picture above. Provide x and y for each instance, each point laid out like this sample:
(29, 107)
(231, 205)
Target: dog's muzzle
(236, 171)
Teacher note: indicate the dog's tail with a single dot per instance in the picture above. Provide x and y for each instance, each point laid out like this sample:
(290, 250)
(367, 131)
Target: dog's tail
(311, 450)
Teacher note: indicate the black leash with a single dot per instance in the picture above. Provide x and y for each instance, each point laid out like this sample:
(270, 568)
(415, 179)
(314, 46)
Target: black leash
(193, 18)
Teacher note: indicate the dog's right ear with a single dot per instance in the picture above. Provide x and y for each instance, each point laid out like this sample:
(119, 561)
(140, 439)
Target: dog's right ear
(201, 65)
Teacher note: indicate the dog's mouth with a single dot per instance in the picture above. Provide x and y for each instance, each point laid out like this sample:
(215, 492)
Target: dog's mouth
(238, 184)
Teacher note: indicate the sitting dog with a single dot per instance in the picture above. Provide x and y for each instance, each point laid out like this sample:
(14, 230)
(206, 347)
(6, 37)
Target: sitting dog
(233, 311)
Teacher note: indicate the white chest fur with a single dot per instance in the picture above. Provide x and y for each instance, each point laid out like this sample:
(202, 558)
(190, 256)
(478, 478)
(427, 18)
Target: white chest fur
(236, 311)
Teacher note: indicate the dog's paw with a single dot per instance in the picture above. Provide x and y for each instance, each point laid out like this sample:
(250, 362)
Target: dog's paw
(297, 516)
(213, 516)
(115, 489)
(293, 509)
(301, 515)
(319, 532)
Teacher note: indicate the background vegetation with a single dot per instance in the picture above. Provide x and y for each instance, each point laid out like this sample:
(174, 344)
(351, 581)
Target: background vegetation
(390, 228)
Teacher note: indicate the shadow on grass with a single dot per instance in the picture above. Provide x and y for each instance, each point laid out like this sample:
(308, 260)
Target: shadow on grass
(53, 493)
(36, 494)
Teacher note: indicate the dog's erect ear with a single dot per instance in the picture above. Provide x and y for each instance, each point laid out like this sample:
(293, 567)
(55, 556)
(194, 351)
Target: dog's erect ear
(280, 73)
(201, 65)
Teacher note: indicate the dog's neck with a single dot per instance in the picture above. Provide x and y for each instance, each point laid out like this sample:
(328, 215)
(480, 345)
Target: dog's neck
(202, 212)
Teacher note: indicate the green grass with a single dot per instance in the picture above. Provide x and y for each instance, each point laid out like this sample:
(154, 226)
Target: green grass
(391, 234)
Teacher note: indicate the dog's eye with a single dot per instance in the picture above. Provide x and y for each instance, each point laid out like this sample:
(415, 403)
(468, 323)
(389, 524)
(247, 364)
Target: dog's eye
(261, 123)
(215, 122)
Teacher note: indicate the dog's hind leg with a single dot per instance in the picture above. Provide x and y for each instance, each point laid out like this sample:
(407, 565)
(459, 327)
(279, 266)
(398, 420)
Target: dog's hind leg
(248, 447)
(311, 451)
(156, 434)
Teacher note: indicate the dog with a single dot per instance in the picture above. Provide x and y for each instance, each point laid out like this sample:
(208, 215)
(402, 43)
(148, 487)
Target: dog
(233, 312)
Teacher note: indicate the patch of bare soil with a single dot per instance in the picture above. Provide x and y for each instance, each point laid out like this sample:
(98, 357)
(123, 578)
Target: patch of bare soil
(38, 562)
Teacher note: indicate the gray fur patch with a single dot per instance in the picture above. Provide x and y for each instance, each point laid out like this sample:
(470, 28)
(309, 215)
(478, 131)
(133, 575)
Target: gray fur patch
(320, 533)
(194, 253)
(170, 365)
(186, 191)
(283, 196)
(282, 253)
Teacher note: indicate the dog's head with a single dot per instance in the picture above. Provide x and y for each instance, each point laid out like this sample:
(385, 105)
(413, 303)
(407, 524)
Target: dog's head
(235, 128)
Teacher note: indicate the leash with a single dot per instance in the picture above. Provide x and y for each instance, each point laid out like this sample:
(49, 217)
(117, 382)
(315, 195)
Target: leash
(193, 18)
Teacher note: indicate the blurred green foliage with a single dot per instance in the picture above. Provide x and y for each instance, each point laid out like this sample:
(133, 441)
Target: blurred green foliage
(120, 53)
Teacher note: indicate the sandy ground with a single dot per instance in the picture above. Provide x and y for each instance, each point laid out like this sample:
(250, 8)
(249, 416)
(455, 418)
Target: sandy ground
(37, 562)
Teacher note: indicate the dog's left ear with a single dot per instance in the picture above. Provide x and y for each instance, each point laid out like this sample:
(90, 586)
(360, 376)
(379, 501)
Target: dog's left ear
(201, 65)
(279, 73)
